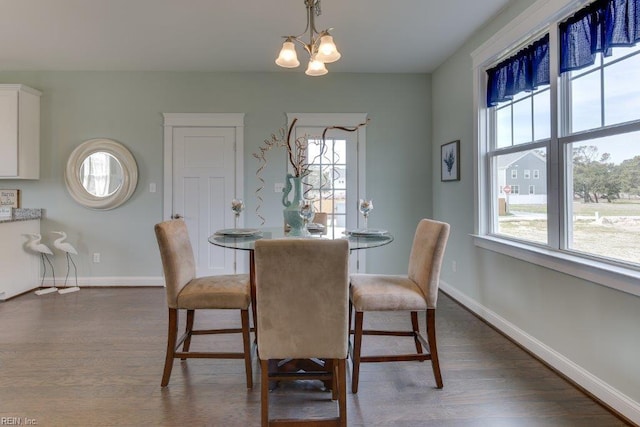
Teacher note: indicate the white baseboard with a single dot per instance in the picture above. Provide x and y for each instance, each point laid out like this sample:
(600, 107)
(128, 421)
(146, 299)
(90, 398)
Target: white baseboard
(85, 282)
(617, 400)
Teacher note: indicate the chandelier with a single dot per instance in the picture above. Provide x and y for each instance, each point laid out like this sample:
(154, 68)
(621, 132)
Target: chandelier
(320, 48)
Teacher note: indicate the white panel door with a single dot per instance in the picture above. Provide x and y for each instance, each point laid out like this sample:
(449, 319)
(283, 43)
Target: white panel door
(203, 187)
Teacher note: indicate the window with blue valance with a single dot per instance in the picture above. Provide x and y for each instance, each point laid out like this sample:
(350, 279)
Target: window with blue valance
(597, 28)
(524, 71)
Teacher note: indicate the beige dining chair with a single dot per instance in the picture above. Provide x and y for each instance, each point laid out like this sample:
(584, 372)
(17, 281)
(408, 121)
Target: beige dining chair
(414, 292)
(187, 292)
(318, 218)
(302, 304)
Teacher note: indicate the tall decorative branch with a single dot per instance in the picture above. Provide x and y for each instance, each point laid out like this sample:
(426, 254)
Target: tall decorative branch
(296, 152)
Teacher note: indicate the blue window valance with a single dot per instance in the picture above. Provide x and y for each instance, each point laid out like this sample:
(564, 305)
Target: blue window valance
(525, 71)
(597, 28)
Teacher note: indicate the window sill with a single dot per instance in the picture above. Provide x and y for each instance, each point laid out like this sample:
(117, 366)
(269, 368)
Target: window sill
(612, 276)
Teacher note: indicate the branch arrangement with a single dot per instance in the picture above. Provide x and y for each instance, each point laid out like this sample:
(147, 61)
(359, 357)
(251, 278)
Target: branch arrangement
(297, 151)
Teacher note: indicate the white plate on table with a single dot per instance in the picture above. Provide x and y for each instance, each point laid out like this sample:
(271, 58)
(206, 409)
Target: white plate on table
(366, 232)
(238, 232)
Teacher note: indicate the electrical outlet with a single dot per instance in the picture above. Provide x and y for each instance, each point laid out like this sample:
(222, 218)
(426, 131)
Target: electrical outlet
(152, 187)
(454, 266)
(96, 257)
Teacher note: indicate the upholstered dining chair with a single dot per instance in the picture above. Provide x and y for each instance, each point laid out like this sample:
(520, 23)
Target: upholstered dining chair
(302, 301)
(414, 292)
(318, 218)
(187, 292)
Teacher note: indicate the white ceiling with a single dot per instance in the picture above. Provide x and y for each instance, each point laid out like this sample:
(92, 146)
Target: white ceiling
(382, 36)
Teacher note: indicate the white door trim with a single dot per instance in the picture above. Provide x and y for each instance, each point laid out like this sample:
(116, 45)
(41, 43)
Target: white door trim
(175, 120)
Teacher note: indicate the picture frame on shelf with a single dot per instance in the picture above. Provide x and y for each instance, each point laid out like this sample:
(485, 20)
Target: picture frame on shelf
(450, 161)
(10, 198)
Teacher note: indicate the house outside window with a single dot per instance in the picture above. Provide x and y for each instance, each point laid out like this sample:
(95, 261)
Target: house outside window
(527, 174)
(583, 130)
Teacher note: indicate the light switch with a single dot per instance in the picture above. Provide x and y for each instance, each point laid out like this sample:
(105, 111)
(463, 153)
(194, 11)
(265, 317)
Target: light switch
(278, 187)
(152, 187)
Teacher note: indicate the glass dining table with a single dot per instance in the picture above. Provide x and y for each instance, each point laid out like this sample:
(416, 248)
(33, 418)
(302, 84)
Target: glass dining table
(245, 239)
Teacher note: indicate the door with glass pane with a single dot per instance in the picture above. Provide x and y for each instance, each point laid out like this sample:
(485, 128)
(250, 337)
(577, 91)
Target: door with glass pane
(330, 179)
(336, 165)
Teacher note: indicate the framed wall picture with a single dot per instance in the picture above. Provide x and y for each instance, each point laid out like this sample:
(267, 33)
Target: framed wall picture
(10, 198)
(450, 161)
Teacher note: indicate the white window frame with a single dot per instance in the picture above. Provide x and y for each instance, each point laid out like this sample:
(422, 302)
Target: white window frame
(357, 260)
(526, 174)
(536, 174)
(532, 189)
(534, 20)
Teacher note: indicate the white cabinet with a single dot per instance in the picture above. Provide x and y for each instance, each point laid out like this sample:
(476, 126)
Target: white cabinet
(19, 132)
(19, 269)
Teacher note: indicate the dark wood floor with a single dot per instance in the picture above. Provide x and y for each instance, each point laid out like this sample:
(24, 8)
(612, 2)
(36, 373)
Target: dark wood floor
(95, 357)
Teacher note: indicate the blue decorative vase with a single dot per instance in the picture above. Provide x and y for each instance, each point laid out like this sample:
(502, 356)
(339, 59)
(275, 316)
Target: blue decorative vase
(292, 208)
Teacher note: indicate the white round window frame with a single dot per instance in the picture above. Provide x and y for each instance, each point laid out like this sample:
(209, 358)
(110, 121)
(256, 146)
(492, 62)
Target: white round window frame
(129, 171)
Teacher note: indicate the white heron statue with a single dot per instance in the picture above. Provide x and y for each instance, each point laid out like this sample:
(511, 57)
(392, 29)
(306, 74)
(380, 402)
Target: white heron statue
(36, 246)
(66, 247)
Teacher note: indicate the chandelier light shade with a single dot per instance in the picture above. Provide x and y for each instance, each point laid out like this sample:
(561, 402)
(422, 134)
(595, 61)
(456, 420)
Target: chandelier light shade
(321, 48)
(288, 57)
(316, 68)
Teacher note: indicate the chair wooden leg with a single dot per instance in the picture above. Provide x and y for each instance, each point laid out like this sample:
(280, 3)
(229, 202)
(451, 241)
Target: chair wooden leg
(433, 347)
(264, 393)
(172, 336)
(188, 330)
(246, 340)
(330, 366)
(416, 331)
(357, 344)
(342, 391)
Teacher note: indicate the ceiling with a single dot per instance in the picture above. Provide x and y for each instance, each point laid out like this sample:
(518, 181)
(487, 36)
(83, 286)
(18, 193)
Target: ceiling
(379, 36)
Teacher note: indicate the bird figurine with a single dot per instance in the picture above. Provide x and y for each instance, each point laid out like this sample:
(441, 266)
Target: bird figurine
(68, 249)
(35, 245)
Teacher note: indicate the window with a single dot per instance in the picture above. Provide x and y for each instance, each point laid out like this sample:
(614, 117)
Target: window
(585, 207)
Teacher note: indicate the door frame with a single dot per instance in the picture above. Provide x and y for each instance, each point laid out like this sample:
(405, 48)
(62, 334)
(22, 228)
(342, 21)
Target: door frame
(181, 120)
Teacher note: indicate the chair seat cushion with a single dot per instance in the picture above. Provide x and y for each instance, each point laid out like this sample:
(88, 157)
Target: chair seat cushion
(227, 291)
(379, 292)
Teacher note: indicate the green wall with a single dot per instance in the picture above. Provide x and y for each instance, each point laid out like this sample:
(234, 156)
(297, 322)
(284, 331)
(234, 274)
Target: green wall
(128, 107)
(593, 326)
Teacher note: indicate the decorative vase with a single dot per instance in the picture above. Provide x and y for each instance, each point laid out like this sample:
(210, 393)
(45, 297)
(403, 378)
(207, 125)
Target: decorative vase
(292, 207)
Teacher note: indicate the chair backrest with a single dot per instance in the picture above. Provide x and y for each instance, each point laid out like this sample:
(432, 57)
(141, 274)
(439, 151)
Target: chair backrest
(425, 261)
(178, 262)
(302, 298)
(320, 218)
